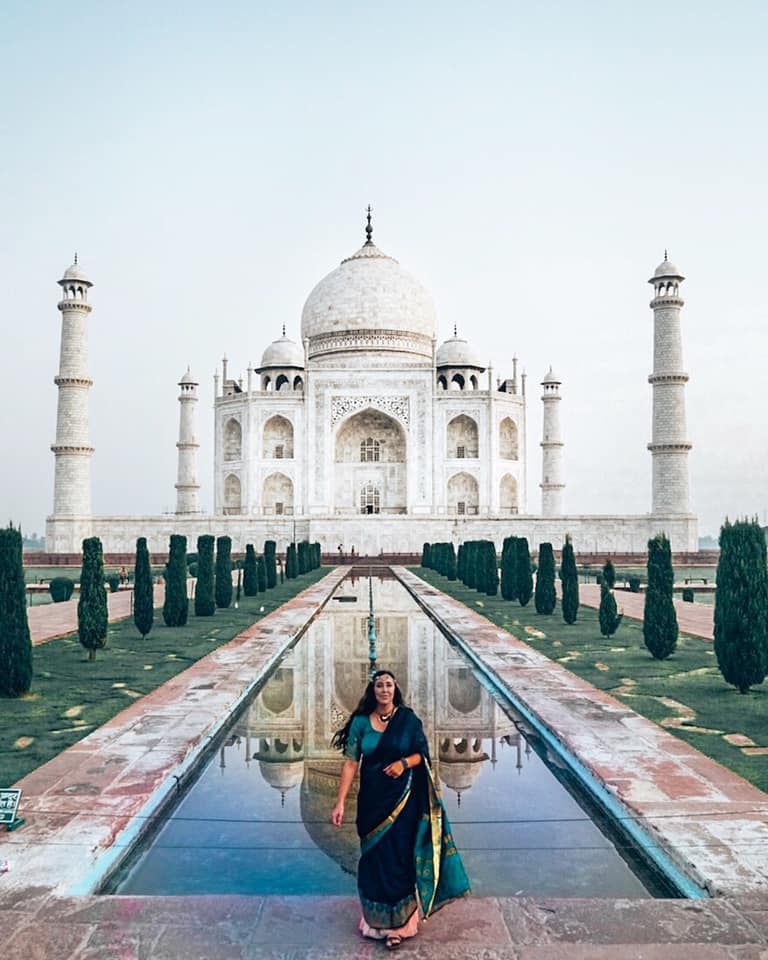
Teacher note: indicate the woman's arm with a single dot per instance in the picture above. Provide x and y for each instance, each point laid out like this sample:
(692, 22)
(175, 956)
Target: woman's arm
(398, 768)
(348, 772)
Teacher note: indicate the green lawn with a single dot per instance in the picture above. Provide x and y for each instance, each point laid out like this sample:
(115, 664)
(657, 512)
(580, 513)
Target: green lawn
(71, 696)
(685, 693)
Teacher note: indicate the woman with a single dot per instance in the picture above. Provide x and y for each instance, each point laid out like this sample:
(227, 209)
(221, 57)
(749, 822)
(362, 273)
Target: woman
(407, 856)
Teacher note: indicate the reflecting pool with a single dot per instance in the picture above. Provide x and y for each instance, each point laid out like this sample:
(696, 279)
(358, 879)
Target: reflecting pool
(257, 820)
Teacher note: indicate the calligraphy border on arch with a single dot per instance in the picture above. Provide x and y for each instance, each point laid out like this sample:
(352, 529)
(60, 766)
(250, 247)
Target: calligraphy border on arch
(398, 407)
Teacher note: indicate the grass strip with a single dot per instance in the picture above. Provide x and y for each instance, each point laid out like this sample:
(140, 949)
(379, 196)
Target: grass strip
(71, 697)
(685, 693)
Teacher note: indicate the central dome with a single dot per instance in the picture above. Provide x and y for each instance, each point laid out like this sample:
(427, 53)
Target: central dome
(369, 303)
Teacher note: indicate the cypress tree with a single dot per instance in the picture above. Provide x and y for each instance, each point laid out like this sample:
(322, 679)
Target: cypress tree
(471, 561)
(659, 617)
(318, 556)
(205, 601)
(523, 575)
(451, 562)
(425, 552)
(741, 605)
(261, 574)
(223, 588)
(303, 557)
(250, 572)
(570, 583)
(176, 606)
(545, 598)
(509, 568)
(609, 574)
(15, 642)
(608, 616)
(92, 615)
(460, 563)
(143, 590)
(491, 569)
(291, 565)
(481, 566)
(270, 562)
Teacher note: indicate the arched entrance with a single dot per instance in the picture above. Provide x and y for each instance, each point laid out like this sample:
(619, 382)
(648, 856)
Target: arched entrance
(370, 468)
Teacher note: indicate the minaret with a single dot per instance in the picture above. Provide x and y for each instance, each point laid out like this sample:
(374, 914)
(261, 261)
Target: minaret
(72, 449)
(187, 487)
(552, 485)
(669, 446)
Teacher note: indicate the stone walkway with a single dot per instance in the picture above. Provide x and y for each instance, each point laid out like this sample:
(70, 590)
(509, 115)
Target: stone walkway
(695, 619)
(47, 621)
(120, 766)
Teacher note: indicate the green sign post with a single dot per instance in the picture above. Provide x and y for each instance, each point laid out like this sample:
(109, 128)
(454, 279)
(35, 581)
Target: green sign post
(9, 804)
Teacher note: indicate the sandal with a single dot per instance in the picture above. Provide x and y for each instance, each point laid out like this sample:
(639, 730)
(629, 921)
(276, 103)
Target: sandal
(393, 941)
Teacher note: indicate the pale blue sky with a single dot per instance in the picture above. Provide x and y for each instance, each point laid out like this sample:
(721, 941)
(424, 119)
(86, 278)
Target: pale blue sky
(528, 162)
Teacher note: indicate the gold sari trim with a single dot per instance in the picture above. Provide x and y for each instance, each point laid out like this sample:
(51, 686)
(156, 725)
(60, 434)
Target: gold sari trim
(388, 821)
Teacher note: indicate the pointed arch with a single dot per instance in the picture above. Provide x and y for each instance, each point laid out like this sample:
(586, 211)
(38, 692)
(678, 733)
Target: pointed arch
(508, 439)
(508, 494)
(462, 438)
(463, 494)
(232, 494)
(277, 494)
(277, 439)
(233, 440)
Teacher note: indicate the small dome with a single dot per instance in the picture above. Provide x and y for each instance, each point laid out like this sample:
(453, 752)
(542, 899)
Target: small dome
(551, 377)
(73, 272)
(667, 269)
(457, 353)
(188, 378)
(283, 352)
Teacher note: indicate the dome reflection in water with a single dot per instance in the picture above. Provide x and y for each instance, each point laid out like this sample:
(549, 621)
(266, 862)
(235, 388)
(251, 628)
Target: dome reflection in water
(257, 819)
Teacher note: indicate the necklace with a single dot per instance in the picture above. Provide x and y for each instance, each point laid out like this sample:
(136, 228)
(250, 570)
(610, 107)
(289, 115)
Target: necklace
(387, 718)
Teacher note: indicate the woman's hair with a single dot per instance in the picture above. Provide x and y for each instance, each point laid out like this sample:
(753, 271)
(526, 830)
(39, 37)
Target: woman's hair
(366, 707)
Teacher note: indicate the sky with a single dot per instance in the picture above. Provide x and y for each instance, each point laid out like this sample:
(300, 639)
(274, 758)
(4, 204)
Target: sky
(529, 163)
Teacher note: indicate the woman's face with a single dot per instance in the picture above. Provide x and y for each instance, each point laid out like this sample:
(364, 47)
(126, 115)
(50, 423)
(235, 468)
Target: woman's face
(384, 690)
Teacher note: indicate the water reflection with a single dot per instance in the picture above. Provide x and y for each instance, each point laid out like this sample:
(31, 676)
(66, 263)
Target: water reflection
(258, 818)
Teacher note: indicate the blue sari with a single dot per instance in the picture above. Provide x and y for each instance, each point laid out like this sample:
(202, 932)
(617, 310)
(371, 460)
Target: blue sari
(407, 855)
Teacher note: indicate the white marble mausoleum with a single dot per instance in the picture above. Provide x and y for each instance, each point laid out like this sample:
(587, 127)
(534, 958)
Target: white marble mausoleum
(368, 433)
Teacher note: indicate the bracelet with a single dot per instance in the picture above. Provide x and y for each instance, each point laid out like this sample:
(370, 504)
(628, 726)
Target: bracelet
(404, 762)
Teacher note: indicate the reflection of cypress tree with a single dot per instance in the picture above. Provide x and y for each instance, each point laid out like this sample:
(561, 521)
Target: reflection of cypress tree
(250, 574)
(15, 642)
(570, 581)
(92, 615)
(223, 572)
(545, 598)
(270, 562)
(659, 617)
(176, 605)
(523, 575)
(741, 605)
(261, 574)
(143, 590)
(205, 601)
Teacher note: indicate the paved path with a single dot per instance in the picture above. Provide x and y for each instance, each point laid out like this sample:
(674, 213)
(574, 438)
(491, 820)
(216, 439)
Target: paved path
(50, 620)
(116, 768)
(695, 619)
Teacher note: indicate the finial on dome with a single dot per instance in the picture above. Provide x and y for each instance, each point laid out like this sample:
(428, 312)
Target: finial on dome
(369, 229)
(455, 334)
(75, 256)
(283, 329)
(665, 254)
